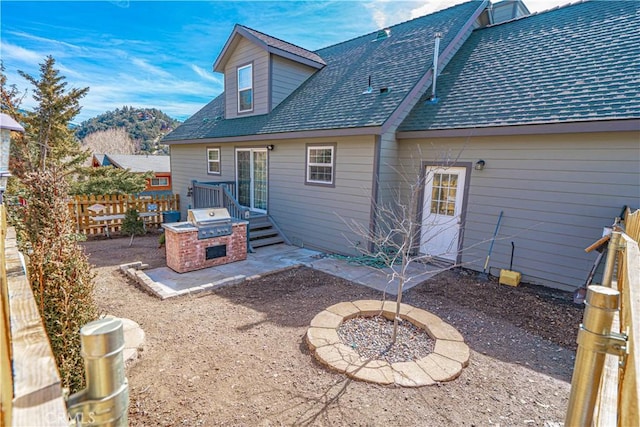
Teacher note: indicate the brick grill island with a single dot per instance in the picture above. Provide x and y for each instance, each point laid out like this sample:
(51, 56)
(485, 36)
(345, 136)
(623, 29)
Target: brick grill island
(187, 252)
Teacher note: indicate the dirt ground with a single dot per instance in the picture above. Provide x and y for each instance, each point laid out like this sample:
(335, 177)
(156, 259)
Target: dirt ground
(238, 356)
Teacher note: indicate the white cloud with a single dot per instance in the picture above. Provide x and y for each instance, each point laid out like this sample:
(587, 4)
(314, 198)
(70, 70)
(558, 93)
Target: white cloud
(176, 97)
(149, 68)
(44, 40)
(385, 13)
(20, 54)
(379, 13)
(205, 75)
(542, 5)
(432, 6)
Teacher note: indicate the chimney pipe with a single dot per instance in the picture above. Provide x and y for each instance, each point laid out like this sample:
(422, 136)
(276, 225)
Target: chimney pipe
(436, 54)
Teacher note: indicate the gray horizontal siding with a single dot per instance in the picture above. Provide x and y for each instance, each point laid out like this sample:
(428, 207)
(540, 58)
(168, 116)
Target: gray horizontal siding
(189, 162)
(314, 216)
(286, 76)
(557, 193)
(245, 53)
(311, 216)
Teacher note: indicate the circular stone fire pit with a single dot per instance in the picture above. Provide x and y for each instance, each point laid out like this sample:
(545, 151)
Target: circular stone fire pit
(445, 363)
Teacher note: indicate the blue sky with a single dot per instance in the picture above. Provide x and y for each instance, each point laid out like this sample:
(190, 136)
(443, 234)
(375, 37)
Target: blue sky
(160, 53)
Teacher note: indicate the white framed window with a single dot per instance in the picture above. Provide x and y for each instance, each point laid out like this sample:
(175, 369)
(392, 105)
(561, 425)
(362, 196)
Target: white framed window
(213, 161)
(245, 88)
(320, 164)
(159, 182)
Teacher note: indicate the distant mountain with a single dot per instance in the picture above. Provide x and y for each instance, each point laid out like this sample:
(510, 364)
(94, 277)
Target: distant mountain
(145, 126)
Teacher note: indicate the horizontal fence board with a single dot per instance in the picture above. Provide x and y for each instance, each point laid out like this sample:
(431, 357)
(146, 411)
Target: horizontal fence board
(86, 222)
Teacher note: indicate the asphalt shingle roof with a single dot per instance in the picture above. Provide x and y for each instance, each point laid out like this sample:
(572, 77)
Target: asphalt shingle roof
(576, 63)
(285, 46)
(333, 97)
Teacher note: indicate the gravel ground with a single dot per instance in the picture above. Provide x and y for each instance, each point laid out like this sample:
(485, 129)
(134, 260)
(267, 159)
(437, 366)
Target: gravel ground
(371, 337)
(238, 356)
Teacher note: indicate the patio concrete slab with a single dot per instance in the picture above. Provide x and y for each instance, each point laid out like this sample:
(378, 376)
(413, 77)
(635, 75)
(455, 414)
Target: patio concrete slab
(380, 279)
(166, 283)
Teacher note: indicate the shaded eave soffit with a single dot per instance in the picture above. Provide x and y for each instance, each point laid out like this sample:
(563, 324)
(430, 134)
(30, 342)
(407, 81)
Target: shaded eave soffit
(232, 42)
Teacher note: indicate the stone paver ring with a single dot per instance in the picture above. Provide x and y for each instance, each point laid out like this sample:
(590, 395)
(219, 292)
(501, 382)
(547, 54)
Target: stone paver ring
(445, 363)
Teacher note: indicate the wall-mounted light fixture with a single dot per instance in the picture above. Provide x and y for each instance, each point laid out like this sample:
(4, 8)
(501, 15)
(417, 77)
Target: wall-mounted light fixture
(270, 147)
(479, 165)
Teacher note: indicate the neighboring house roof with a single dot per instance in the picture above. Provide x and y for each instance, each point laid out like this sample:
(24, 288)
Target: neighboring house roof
(99, 158)
(139, 163)
(577, 63)
(333, 98)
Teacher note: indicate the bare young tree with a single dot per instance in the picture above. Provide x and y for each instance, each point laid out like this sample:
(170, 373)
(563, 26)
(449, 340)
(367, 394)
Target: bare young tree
(399, 230)
(110, 141)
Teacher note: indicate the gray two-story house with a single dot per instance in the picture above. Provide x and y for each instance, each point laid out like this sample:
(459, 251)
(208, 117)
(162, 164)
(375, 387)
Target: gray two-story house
(536, 116)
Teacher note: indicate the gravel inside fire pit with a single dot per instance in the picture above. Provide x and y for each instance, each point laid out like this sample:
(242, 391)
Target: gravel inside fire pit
(370, 337)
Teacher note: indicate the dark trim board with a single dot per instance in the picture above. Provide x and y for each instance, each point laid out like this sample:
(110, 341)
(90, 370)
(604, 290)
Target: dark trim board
(629, 125)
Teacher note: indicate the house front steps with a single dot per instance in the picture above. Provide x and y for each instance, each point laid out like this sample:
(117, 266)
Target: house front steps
(262, 232)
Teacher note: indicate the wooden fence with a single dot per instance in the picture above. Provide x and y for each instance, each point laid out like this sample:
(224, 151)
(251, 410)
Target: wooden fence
(103, 214)
(625, 377)
(6, 375)
(618, 390)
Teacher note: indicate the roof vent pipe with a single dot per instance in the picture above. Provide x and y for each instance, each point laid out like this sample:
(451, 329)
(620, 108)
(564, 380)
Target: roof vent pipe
(436, 54)
(369, 88)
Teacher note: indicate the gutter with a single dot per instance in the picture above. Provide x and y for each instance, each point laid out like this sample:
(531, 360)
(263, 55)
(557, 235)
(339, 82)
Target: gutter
(325, 133)
(620, 125)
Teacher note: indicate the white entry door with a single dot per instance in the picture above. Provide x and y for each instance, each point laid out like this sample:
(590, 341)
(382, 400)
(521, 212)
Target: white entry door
(442, 210)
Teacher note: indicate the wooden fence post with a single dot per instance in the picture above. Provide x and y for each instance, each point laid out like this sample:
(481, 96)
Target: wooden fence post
(594, 342)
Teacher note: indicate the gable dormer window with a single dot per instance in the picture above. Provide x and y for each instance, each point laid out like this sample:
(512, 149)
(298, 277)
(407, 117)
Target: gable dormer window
(245, 88)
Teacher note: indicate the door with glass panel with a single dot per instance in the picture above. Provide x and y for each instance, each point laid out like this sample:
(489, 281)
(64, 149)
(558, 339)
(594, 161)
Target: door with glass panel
(442, 211)
(251, 178)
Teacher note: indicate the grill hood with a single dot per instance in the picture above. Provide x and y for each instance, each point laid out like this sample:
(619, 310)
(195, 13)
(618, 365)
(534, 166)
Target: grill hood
(208, 216)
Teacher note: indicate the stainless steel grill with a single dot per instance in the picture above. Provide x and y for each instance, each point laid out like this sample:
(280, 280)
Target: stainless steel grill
(210, 222)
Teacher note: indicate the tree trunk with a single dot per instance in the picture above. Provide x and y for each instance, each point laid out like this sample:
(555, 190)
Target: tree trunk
(397, 315)
(401, 280)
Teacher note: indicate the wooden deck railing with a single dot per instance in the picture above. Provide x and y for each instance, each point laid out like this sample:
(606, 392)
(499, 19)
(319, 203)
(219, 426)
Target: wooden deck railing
(617, 390)
(115, 206)
(218, 195)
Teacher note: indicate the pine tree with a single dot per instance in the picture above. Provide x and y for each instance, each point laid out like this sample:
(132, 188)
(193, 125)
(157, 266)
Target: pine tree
(10, 96)
(59, 270)
(109, 180)
(132, 224)
(49, 137)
